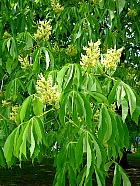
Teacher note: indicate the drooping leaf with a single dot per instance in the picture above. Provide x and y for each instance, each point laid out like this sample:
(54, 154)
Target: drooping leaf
(2, 158)
(47, 58)
(112, 95)
(32, 147)
(79, 151)
(131, 98)
(38, 129)
(24, 107)
(8, 147)
(36, 62)
(136, 113)
(98, 152)
(25, 137)
(120, 5)
(126, 181)
(124, 109)
(100, 98)
(89, 157)
(99, 177)
(60, 76)
(105, 125)
(117, 176)
(37, 106)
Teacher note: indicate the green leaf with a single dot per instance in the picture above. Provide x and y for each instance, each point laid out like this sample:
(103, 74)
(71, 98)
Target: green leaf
(47, 58)
(87, 109)
(112, 95)
(79, 151)
(8, 44)
(24, 107)
(80, 103)
(60, 76)
(120, 131)
(99, 177)
(25, 137)
(136, 113)
(37, 106)
(100, 98)
(105, 125)
(69, 75)
(2, 158)
(18, 140)
(62, 112)
(36, 61)
(81, 177)
(124, 109)
(107, 165)
(32, 147)
(98, 152)
(89, 158)
(38, 128)
(126, 181)
(120, 5)
(8, 147)
(119, 94)
(131, 98)
(13, 51)
(117, 177)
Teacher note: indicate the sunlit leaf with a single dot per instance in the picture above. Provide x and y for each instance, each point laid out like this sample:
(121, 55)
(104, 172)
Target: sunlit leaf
(89, 157)
(24, 107)
(131, 98)
(8, 147)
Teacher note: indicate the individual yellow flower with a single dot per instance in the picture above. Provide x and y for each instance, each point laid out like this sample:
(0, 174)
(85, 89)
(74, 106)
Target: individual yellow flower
(14, 113)
(43, 31)
(57, 8)
(112, 58)
(24, 62)
(48, 93)
(92, 54)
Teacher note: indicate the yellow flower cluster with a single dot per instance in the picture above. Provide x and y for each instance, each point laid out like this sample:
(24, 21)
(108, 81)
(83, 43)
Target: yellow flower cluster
(5, 103)
(132, 13)
(24, 62)
(96, 2)
(43, 31)
(113, 107)
(14, 113)
(112, 58)
(96, 116)
(6, 35)
(92, 54)
(48, 93)
(71, 50)
(56, 6)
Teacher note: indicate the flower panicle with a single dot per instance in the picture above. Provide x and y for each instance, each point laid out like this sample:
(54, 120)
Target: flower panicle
(91, 58)
(48, 93)
(14, 112)
(57, 8)
(112, 58)
(24, 62)
(43, 31)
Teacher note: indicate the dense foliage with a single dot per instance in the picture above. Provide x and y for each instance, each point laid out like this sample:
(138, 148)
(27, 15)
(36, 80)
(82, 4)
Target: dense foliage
(64, 88)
